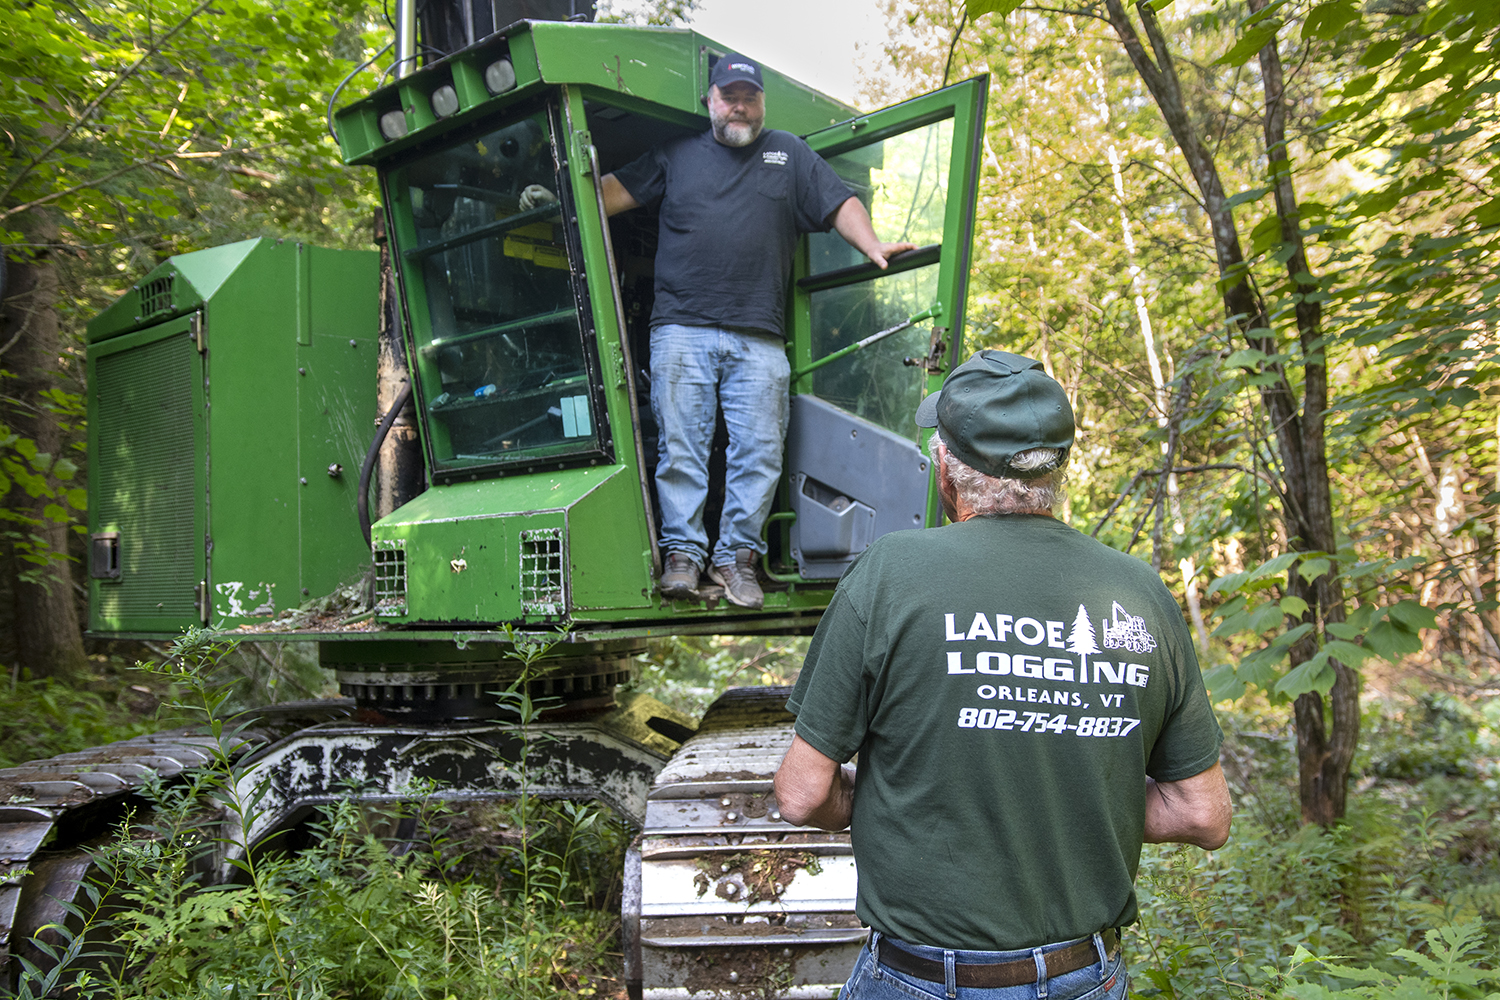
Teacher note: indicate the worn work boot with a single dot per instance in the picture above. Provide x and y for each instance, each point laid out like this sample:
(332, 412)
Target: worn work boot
(679, 580)
(738, 580)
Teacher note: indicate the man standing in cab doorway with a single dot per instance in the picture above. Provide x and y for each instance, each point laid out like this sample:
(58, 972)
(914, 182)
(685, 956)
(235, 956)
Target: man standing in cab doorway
(1027, 708)
(733, 201)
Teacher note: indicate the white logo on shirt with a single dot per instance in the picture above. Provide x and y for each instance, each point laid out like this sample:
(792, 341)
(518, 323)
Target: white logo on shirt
(1127, 631)
(776, 156)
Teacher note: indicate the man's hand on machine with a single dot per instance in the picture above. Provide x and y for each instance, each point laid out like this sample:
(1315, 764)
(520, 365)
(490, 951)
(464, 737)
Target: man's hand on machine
(883, 252)
(534, 196)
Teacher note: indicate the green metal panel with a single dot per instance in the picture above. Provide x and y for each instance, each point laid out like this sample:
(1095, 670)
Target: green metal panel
(667, 67)
(283, 411)
(146, 429)
(251, 330)
(336, 408)
(175, 288)
(609, 549)
(243, 498)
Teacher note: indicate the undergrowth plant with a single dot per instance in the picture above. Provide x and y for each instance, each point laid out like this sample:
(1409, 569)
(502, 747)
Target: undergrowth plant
(356, 915)
(1415, 857)
(1449, 969)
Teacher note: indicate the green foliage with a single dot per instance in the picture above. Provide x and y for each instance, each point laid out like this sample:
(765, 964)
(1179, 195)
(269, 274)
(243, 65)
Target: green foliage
(689, 672)
(1416, 853)
(1260, 607)
(1449, 969)
(43, 718)
(357, 915)
(42, 476)
(118, 117)
(135, 131)
(978, 8)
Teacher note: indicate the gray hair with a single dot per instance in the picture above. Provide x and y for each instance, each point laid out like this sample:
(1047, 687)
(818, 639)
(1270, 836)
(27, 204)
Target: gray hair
(991, 496)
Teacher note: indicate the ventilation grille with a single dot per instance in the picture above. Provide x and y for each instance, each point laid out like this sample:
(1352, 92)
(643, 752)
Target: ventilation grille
(543, 578)
(144, 463)
(156, 296)
(390, 576)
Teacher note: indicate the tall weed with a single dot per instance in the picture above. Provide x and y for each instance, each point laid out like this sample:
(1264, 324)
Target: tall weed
(356, 915)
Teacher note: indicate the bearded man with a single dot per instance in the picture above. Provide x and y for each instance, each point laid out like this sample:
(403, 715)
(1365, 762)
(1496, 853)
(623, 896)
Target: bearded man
(732, 202)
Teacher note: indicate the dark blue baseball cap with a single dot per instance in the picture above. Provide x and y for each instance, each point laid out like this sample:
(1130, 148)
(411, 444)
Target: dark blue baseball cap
(735, 68)
(995, 406)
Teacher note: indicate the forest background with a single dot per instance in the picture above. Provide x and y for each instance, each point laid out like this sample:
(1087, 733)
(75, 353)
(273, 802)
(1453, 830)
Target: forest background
(1255, 241)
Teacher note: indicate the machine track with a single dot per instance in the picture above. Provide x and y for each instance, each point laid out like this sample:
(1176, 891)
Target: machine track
(55, 812)
(722, 897)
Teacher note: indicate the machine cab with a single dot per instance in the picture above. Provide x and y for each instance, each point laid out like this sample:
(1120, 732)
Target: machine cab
(526, 319)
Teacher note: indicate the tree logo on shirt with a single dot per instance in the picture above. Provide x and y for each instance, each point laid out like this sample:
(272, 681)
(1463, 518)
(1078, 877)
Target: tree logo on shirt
(1127, 631)
(1081, 639)
(776, 156)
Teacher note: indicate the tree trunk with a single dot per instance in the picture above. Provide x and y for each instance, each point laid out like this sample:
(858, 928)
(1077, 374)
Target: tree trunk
(1324, 754)
(1324, 758)
(49, 641)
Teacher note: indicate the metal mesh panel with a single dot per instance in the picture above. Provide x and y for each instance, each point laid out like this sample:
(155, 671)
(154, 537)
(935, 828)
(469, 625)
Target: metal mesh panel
(156, 296)
(144, 479)
(390, 576)
(543, 576)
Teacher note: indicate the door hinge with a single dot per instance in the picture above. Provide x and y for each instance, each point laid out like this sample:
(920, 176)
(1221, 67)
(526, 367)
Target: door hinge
(198, 332)
(200, 594)
(617, 362)
(584, 152)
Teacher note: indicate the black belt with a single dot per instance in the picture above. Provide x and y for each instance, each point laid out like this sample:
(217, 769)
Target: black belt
(1017, 972)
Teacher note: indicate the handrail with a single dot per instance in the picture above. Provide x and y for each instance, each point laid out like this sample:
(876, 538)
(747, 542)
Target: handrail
(906, 261)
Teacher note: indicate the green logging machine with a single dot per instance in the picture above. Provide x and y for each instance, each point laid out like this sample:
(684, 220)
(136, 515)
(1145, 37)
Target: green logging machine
(481, 381)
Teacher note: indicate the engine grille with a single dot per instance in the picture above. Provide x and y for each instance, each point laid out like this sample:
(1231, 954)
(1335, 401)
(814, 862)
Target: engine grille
(390, 576)
(156, 296)
(144, 469)
(544, 578)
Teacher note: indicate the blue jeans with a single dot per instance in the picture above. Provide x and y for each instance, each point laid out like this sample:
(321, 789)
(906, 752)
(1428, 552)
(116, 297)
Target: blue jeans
(696, 370)
(872, 981)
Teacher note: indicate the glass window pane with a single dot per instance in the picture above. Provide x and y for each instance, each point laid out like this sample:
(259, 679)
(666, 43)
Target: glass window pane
(501, 357)
(903, 181)
(875, 382)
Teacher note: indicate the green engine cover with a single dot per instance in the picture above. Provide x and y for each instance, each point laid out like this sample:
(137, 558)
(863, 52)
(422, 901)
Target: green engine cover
(232, 393)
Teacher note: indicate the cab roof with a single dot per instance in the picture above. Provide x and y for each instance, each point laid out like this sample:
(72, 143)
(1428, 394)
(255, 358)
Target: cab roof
(663, 71)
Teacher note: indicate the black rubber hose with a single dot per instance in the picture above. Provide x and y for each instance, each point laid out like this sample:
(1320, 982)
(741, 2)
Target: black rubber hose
(368, 469)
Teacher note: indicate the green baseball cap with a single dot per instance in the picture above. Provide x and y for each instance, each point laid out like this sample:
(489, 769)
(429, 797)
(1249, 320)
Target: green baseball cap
(995, 406)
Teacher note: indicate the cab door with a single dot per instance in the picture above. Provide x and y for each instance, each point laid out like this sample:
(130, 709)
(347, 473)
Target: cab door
(855, 469)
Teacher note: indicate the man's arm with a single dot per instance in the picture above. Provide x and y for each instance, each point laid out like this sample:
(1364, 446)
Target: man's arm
(853, 223)
(1194, 810)
(814, 790)
(616, 198)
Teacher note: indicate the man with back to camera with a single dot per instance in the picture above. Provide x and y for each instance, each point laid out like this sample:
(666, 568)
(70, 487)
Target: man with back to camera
(1027, 708)
(733, 201)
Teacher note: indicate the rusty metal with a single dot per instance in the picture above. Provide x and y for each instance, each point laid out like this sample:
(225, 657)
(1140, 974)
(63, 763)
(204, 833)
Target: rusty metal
(722, 898)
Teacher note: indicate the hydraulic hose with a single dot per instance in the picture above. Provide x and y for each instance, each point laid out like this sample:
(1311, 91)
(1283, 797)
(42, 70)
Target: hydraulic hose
(368, 469)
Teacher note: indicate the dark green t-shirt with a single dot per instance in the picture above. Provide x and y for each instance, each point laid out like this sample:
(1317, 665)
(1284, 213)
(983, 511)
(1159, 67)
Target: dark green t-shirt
(1008, 683)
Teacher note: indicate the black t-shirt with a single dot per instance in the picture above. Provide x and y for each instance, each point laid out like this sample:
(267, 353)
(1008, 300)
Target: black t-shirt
(730, 218)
